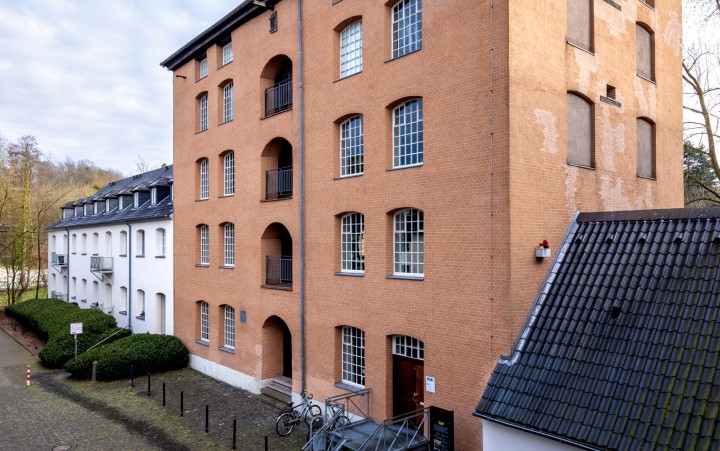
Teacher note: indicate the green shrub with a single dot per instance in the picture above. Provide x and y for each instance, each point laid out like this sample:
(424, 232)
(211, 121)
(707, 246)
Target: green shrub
(51, 318)
(147, 353)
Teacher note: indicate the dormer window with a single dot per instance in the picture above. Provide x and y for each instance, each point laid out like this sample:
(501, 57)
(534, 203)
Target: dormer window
(153, 196)
(136, 197)
(227, 55)
(121, 204)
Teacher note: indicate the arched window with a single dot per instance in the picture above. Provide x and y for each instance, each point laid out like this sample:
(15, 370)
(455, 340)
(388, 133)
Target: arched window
(408, 347)
(645, 51)
(203, 180)
(123, 243)
(408, 134)
(351, 49)
(140, 245)
(352, 147)
(580, 23)
(580, 131)
(160, 242)
(229, 173)
(140, 304)
(409, 243)
(204, 321)
(353, 356)
(229, 242)
(645, 148)
(123, 300)
(229, 327)
(228, 113)
(203, 112)
(406, 27)
(204, 245)
(352, 255)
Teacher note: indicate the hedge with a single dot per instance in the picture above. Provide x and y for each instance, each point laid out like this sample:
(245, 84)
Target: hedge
(51, 318)
(145, 352)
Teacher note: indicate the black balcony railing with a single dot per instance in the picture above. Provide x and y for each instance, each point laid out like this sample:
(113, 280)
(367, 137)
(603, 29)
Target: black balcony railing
(278, 270)
(278, 183)
(278, 97)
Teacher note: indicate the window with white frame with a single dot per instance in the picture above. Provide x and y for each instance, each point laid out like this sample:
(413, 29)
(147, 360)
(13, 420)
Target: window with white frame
(141, 303)
(204, 321)
(140, 245)
(353, 355)
(204, 245)
(108, 243)
(228, 102)
(229, 327)
(227, 55)
(204, 181)
(83, 244)
(203, 67)
(203, 112)
(229, 171)
(123, 300)
(408, 347)
(83, 292)
(229, 244)
(73, 287)
(153, 196)
(406, 27)
(352, 147)
(351, 49)
(409, 243)
(408, 134)
(95, 243)
(352, 239)
(73, 244)
(123, 243)
(160, 242)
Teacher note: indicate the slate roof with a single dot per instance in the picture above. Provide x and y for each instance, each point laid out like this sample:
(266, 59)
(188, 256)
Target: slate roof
(621, 349)
(145, 212)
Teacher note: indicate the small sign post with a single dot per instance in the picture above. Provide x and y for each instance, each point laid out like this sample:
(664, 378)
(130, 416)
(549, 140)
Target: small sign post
(76, 329)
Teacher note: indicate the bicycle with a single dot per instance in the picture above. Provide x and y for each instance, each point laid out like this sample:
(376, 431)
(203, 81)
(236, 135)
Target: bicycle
(309, 412)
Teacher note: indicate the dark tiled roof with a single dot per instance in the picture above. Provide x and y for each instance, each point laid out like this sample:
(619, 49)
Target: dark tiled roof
(621, 349)
(144, 212)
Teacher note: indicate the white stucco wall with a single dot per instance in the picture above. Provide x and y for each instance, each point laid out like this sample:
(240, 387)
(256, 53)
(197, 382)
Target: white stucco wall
(497, 437)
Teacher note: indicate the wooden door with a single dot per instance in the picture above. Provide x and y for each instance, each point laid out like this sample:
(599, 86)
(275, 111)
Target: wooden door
(408, 385)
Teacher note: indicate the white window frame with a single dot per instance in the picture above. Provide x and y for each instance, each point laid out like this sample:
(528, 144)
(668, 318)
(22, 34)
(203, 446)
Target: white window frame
(203, 67)
(229, 173)
(141, 303)
(353, 356)
(204, 321)
(203, 112)
(408, 134)
(204, 179)
(351, 49)
(229, 241)
(227, 55)
(408, 347)
(229, 327)
(140, 246)
(228, 94)
(406, 34)
(95, 243)
(352, 147)
(352, 240)
(83, 243)
(153, 196)
(204, 244)
(123, 243)
(124, 299)
(161, 238)
(409, 243)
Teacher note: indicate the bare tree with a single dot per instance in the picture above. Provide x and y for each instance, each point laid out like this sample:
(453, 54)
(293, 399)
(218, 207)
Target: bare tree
(143, 165)
(709, 9)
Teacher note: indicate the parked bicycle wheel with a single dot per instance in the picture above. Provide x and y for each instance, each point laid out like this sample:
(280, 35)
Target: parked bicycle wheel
(285, 424)
(341, 422)
(313, 412)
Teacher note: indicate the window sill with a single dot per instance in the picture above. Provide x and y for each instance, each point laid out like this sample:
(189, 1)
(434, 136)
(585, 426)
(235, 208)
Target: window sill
(277, 287)
(159, 256)
(226, 267)
(610, 101)
(275, 114)
(350, 274)
(201, 78)
(84, 253)
(201, 200)
(122, 255)
(647, 79)
(141, 318)
(409, 166)
(83, 300)
(647, 4)
(201, 131)
(351, 176)
(226, 122)
(226, 349)
(349, 387)
(140, 256)
(592, 168)
(73, 297)
(225, 65)
(402, 56)
(123, 313)
(646, 177)
(580, 48)
(275, 200)
(95, 255)
(73, 253)
(348, 76)
(614, 5)
(400, 277)
(226, 195)
(203, 342)
(202, 265)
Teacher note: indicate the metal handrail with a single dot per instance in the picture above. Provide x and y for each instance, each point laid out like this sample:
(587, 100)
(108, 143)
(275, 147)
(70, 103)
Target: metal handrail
(101, 263)
(278, 270)
(278, 183)
(278, 97)
(108, 337)
(406, 434)
(318, 439)
(360, 410)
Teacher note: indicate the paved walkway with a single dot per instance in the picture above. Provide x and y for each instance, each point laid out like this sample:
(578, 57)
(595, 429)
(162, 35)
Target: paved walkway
(57, 412)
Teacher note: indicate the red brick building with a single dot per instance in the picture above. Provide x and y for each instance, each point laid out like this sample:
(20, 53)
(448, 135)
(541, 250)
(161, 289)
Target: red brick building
(361, 210)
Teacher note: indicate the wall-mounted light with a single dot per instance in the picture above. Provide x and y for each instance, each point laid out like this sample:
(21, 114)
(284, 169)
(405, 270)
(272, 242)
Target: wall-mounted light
(263, 4)
(542, 251)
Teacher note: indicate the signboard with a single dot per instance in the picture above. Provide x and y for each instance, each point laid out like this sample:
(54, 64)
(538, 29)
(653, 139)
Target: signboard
(442, 429)
(75, 328)
(429, 384)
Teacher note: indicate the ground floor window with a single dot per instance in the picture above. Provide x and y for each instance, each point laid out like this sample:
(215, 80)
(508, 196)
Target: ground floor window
(353, 355)
(204, 321)
(408, 347)
(229, 327)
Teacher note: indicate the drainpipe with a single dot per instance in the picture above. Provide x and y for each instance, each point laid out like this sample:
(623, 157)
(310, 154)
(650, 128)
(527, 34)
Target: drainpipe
(302, 198)
(129, 291)
(67, 249)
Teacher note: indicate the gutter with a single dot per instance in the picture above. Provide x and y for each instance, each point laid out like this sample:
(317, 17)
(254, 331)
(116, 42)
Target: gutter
(129, 290)
(302, 198)
(67, 284)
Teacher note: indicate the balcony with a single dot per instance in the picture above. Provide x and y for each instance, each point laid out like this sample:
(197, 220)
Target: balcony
(278, 97)
(278, 183)
(101, 264)
(57, 295)
(58, 259)
(278, 271)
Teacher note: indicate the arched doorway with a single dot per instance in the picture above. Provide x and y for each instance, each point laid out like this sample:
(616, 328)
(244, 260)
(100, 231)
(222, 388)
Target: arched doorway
(276, 82)
(276, 349)
(276, 248)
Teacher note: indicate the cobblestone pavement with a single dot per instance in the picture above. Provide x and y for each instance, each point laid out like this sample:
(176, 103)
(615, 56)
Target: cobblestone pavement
(55, 411)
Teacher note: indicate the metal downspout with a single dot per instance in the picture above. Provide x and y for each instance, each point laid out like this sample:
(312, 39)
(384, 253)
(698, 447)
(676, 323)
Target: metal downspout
(302, 198)
(67, 284)
(129, 291)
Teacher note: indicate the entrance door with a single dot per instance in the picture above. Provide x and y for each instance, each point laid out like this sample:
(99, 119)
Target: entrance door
(408, 385)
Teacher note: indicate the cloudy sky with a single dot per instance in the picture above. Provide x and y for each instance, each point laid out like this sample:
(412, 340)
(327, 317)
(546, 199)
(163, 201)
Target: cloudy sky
(84, 76)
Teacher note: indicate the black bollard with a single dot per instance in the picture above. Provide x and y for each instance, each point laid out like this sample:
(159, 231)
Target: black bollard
(234, 433)
(266, 443)
(132, 375)
(148, 383)
(163, 393)
(207, 418)
(182, 393)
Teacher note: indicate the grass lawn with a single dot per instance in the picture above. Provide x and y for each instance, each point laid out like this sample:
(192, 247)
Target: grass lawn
(28, 295)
